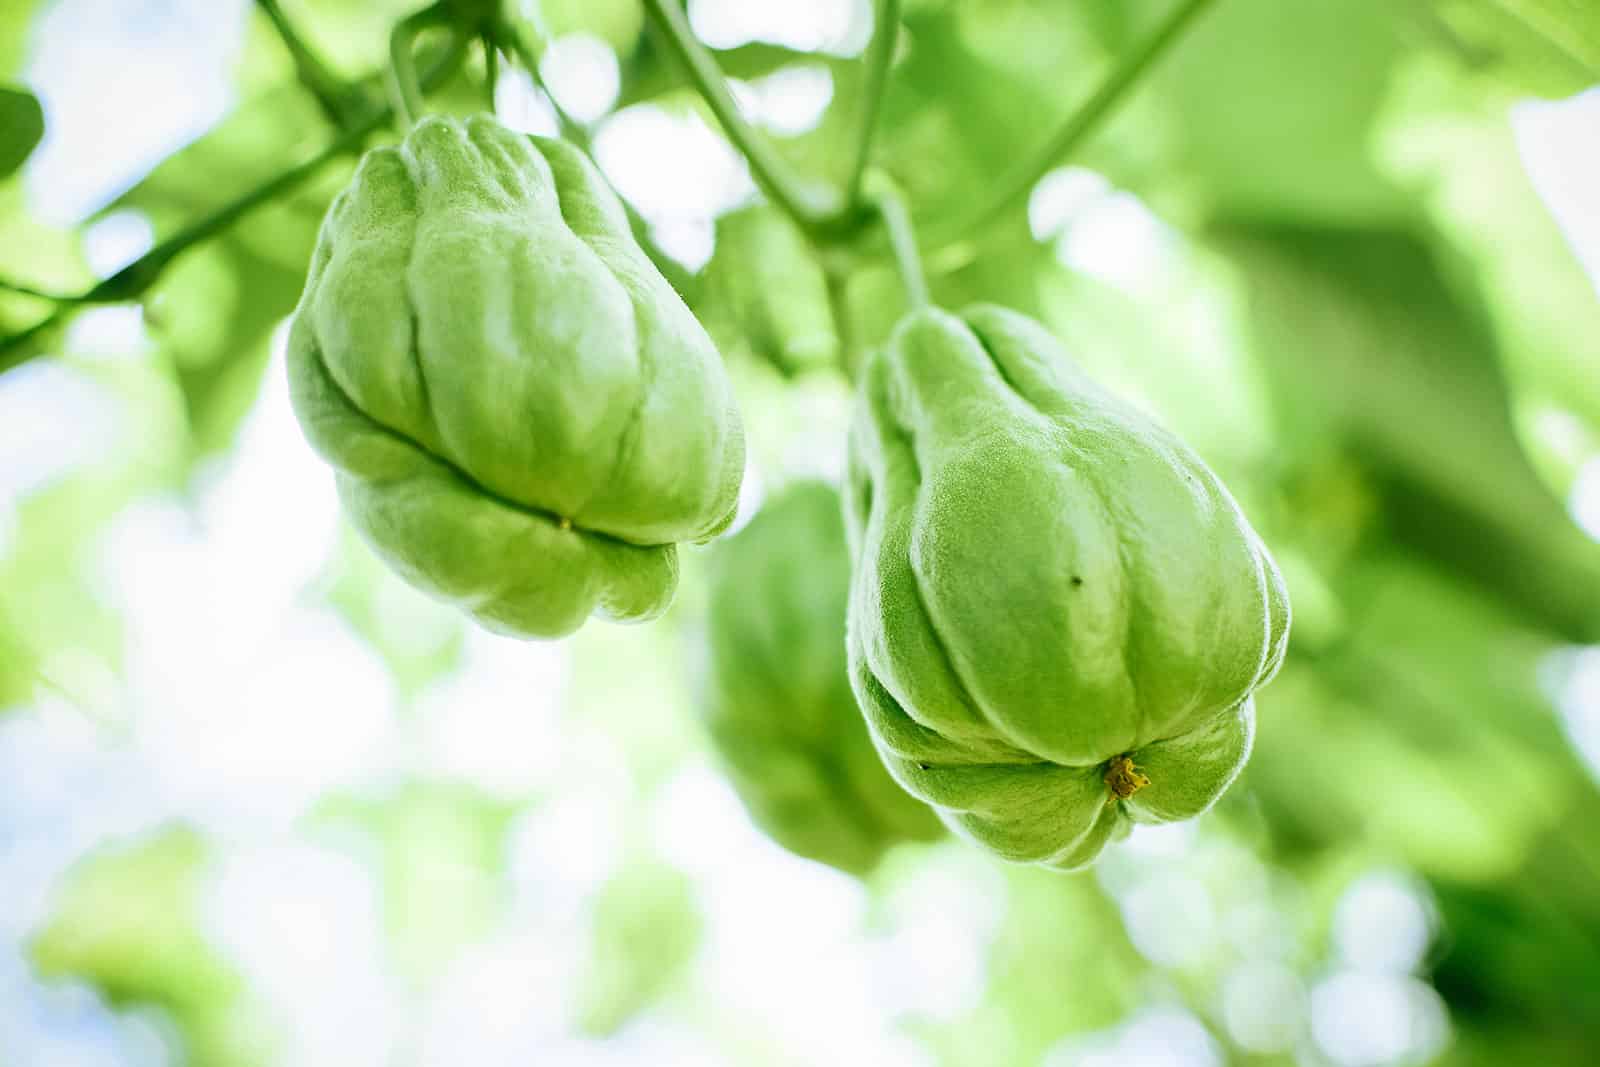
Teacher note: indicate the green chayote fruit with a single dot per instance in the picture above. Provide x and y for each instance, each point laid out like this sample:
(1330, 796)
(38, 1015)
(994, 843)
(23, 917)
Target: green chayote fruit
(523, 416)
(766, 291)
(1059, 614)
(779, 706)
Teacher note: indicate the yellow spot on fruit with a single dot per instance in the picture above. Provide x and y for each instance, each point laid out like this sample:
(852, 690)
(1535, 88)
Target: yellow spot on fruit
(1123, 778)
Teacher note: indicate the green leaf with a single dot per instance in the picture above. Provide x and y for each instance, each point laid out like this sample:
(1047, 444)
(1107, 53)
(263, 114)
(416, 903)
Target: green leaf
(21, 128)
(1369, 346)
(129, 921)
(1574, 25)
(441, 847)
(1272, 107)
(214, 310)
(645, 928)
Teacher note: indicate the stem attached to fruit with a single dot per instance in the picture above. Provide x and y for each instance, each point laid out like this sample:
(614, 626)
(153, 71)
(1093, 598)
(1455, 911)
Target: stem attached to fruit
(891, 208)
(880, 53)
(404, 87)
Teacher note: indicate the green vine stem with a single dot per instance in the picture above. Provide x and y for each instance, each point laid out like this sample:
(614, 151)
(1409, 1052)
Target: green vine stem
(1082, 123)
(891, 209)
(403, 85)
(880, 53)
(332, 94)
(491, 67)
(134, 280)
(813, 211)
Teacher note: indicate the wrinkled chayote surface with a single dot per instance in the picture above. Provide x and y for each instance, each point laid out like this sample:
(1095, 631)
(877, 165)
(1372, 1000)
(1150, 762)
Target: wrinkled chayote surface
(1058, 614)
(523, 416)
(778, 701)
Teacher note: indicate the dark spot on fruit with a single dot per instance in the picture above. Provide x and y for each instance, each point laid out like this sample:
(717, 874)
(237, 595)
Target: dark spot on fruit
(1076, 581)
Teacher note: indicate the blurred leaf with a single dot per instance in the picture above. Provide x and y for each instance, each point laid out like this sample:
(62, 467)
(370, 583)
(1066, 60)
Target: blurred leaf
(128, 921)
(1367, 344)
(441, 849)
(1574, 25)
(1423, 734)
(1450, 138)
(21, 128)
(1272, 108)
(616, 22)
(645, 927)
(214, 309)
(1489, 40)
(1061, 964)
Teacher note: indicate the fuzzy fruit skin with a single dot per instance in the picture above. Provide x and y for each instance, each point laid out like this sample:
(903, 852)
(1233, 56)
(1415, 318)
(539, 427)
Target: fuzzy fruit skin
(1045, 581)
(524, 418)
(778, 703)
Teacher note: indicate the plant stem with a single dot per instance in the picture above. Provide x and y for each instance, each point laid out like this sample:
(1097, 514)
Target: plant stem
(811, 211)
(38, 294)
(403, 83)
(891, 208)
(332, 94)
(885, 32)
(137, 277)
(491, 67)
(1084, 121)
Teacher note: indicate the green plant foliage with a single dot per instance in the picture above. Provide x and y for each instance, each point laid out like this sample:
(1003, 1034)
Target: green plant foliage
(1273, 108)
(1044, 692)
(778, 702)
(440, 852)
(1368, 343)
(128, 921)
(583, 438)
(21, 128)
(645, 928)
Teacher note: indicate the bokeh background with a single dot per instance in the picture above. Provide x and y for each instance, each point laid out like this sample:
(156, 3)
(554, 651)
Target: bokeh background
(261, 804)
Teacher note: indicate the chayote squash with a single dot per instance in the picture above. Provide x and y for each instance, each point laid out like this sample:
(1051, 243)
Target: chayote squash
(1058, 614)
(765, 291)
(778, 701)
(523, 416)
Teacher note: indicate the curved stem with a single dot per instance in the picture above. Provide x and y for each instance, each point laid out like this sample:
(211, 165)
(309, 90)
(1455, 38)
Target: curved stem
(1085, 120)
(769, 171)
(885, 32)
(403, 84)
(903, 243)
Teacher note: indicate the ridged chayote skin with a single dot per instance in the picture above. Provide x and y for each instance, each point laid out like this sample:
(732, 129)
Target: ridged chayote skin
(523, 416)
(778, 700)
(1059, 614)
